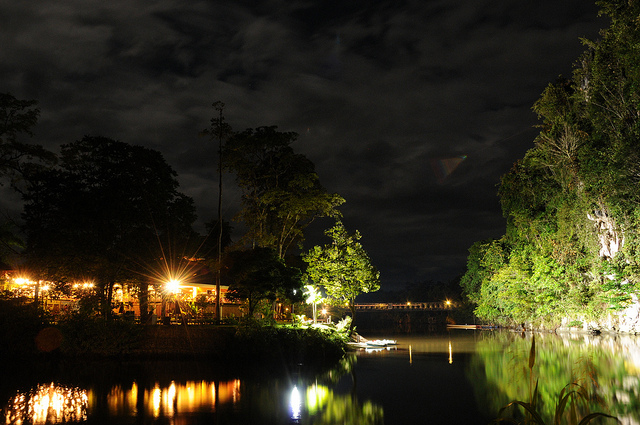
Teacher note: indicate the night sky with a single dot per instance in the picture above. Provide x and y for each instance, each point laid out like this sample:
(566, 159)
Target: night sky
(410, 110)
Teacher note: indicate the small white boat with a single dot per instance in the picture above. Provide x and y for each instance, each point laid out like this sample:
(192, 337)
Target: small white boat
(381, 342)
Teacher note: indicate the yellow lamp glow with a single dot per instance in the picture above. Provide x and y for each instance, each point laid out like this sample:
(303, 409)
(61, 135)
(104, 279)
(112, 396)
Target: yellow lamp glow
(173, 286)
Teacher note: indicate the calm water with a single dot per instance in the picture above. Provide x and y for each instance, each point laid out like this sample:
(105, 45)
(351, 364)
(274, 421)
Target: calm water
(462, 377)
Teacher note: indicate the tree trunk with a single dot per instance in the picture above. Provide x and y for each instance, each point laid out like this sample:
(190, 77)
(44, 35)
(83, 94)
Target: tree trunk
(352, 307)
(143, 300)
(107, 303)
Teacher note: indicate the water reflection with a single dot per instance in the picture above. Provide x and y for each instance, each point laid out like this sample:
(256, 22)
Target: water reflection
(167, 401)
(457, 378)
(47, 404)
(298, 399)
(607, 366)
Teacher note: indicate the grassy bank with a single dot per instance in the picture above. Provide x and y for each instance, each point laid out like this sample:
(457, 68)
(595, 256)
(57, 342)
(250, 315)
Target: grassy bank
(251, 343)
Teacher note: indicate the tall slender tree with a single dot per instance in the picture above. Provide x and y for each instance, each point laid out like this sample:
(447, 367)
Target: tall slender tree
(219, 131)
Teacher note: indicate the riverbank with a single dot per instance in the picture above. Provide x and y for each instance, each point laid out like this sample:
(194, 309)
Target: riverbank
(252, 343)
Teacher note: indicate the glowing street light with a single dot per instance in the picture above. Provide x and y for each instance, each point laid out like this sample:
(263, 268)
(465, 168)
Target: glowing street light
(173, 286)
(313, 297)
(295, 403)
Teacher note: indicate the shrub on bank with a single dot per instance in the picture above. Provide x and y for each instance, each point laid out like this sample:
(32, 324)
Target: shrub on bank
(83, 335)
(19, 326)
(24, 332)
(287, 344)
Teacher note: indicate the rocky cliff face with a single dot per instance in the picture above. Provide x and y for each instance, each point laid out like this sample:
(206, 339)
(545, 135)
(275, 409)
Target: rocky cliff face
(625, 321)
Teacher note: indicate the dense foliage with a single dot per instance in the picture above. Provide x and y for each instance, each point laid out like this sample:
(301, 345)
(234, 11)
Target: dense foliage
(281, 192)
(104, 212)
(342, 268)
(572, 244)
(258, 275)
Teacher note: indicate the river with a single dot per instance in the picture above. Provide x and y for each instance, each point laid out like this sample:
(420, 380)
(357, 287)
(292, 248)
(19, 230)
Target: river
(457, 377)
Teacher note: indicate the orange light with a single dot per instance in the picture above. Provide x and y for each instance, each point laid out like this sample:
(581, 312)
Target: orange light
(173, 286)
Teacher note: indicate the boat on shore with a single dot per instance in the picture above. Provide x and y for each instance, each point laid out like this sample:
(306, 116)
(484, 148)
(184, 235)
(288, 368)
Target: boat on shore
(381, 342)
(471, 327)
(361, 342)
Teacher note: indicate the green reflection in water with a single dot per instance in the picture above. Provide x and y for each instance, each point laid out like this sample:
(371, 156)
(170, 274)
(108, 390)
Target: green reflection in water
(315, 402)
(608, 367)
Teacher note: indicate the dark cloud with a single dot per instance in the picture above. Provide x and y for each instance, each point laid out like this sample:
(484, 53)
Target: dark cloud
(378, 91)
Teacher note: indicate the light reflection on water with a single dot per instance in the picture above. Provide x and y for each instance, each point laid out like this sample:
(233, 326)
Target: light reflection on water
(48, 403)
(57, 403)
(451, 378)
(188, 397)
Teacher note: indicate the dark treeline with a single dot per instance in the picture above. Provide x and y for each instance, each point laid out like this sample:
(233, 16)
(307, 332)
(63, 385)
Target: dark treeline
(425, 291)
(107, 211)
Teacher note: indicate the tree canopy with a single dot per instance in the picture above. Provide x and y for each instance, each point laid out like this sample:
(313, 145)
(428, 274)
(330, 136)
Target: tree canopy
(258, 274)
(343, 267)
(572, 244)
(17, 118)
(106, 211)
(281, 192)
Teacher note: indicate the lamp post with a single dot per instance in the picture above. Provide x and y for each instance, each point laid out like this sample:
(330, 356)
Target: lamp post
(172, 287)
(313, 297)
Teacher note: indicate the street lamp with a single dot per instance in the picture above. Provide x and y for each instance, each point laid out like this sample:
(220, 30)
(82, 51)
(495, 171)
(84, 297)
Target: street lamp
(173, 286)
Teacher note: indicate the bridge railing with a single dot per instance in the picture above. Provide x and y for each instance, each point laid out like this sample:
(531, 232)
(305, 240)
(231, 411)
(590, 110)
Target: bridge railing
(407, 306)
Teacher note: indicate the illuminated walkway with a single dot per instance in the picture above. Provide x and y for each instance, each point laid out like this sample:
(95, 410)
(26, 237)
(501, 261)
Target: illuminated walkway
(428, 306)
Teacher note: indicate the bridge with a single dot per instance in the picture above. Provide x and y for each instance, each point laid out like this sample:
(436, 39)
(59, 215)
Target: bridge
(426, 306)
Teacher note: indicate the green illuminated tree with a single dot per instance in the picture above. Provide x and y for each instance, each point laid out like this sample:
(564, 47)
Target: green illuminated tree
(572, 244)
(343, 268)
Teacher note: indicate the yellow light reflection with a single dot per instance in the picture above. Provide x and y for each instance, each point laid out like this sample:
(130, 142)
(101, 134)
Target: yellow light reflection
(48, 404)
(175, 398)
(169, 399)
(450, 354)
(410, 355)
(156, 397)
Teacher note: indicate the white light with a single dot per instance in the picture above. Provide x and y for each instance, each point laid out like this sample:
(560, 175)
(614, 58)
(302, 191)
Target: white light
(296, 403)
(173, 286)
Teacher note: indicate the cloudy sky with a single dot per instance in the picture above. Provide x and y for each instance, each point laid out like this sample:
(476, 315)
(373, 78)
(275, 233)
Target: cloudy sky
(411, 110)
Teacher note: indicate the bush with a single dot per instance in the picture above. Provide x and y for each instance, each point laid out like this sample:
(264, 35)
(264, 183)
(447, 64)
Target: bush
(93, 335)
(287, 345)
(20, 323)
